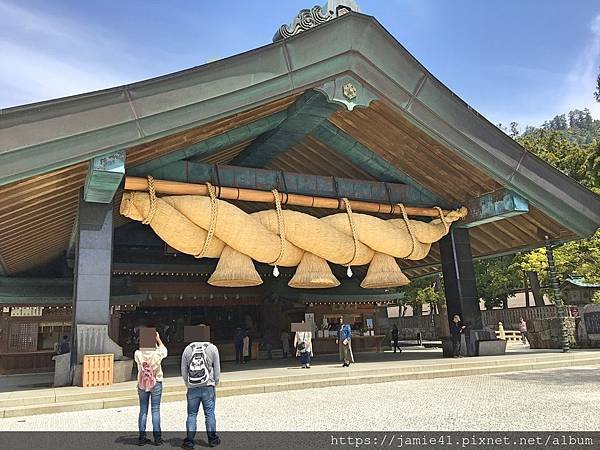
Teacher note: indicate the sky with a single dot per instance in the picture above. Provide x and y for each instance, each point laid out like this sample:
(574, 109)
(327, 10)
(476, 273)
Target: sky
(512, 60)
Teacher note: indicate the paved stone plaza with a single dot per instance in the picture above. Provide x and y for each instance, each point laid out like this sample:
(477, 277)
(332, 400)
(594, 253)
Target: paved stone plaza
(564, 399)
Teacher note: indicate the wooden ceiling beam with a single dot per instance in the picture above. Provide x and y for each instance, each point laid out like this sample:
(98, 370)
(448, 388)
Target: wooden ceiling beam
(52, 202)
(42, 220)
(34, 237)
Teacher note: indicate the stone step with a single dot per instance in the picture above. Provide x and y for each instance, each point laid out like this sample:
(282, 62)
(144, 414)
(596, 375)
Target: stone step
(122, 397)
(73, 394)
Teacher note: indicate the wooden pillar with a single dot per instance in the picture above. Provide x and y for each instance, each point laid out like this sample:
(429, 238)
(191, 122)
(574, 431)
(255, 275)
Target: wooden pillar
(459, 277)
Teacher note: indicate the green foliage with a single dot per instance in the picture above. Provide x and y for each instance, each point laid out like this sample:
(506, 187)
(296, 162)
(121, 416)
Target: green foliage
(497, 278)
(428, 295)
(596, 297)
(571, 143)
(579, 161)
(420, 292)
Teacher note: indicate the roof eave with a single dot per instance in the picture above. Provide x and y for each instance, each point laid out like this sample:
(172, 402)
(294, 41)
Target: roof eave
(97, 123)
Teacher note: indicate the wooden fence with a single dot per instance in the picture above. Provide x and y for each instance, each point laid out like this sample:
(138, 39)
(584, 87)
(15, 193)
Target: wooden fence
(97, 370)
(510, 317)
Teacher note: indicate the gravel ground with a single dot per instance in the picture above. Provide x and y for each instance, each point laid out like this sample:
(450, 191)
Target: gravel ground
(564, 399)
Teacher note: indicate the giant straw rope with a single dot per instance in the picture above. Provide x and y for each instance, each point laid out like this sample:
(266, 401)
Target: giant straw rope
(213, 228)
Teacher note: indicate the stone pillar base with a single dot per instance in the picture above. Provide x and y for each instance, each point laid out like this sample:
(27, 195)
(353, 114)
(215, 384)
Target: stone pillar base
(94, 340)
(62, 370)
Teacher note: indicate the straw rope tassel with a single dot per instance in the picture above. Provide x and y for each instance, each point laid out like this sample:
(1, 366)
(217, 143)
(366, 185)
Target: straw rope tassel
(442, 218)
(354, 236)
(214, 211)
(152, 193)
(281, 229)
(409, 227)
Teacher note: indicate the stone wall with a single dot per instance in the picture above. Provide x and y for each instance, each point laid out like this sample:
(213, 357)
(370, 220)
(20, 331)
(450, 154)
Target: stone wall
(545, 333)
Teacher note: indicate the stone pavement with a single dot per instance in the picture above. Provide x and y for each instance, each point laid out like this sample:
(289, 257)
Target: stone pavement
(552, 399)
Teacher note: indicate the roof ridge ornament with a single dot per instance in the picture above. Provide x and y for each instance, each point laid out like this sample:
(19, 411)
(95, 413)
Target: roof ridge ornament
(315, 16)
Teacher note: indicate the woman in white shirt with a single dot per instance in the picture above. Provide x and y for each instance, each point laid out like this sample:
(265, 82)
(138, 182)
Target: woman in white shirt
(303, 345)
(150, 377)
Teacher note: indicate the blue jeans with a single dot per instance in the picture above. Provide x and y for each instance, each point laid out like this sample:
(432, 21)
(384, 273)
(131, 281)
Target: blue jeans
(195, 396)
(152, 397)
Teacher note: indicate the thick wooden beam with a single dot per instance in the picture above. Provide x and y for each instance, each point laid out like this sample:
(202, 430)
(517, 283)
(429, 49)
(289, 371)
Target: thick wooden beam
(307, 113)
(104, 177)
(253, 195)
(497, 205)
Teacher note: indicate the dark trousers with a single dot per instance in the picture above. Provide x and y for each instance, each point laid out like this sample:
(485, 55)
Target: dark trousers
(238, 352)
(396, 346)
(456, 344)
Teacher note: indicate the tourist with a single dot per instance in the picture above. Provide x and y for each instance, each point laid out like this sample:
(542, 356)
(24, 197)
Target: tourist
(150, 378)
(456, 330)
(201, 370)
(524, 332)
(303, 346)
(344, 341)
(285, 343)
(63, 345)
(245, 347)
(268, 343)
(395, 338)
(238, 341)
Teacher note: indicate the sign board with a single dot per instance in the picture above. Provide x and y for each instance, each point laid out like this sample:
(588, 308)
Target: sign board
(26, 311)
(592, 322)
(393, 311)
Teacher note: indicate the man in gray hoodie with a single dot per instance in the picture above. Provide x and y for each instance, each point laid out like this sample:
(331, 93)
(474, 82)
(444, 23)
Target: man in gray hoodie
(201, 369)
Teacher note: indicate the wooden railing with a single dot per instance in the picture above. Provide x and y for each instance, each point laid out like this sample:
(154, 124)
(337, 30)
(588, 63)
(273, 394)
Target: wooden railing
(510, 335)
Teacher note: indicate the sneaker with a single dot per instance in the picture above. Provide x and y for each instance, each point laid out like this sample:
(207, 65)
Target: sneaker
(158, 442)
(214, 442)
(143, 441)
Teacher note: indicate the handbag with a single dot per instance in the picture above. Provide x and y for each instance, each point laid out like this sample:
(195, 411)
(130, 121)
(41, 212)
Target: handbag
(300, 346)
(345, 341)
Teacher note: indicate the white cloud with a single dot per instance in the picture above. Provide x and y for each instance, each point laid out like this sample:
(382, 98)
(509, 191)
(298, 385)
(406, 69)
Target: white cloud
(581, 79)
(46, 56)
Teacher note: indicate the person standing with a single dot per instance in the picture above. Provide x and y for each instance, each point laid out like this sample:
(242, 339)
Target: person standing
(285, 343)
(238, 341)
(344, 341)
(268, 343)
(246, 347)
(303, 346)
(63, 346)
(395, 338)
(150, 378)
(456, 330)
(201, 370)
(524, 332)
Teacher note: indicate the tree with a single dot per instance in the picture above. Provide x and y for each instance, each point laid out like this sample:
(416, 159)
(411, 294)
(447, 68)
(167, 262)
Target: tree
(420, 292)
(497, 278)
(597, 92)
(559, 122)
(572, 146)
